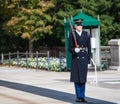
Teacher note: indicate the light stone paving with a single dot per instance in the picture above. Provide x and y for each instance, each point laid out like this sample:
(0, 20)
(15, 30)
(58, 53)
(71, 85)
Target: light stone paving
(30, 86)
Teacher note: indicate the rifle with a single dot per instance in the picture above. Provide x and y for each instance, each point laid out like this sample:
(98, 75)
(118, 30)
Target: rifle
(73, 32)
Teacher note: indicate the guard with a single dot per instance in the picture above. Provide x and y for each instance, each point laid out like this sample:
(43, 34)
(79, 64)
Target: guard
(81, 54)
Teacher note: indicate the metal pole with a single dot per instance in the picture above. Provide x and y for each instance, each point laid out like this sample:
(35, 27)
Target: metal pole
(95, 78)
(17, 58)
(2, 58)
(60, 58)
(99, 43)
(37, 60)
(26, 59)
(9, 58)
(48, 55)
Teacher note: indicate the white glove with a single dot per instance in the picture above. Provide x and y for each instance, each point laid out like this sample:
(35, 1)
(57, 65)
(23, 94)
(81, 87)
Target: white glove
(77, 50)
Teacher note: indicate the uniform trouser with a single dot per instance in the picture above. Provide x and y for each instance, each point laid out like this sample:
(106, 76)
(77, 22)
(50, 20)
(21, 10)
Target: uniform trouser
(80, 90)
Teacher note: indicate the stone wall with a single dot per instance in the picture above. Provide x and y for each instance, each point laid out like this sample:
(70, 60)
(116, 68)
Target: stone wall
(115, 54)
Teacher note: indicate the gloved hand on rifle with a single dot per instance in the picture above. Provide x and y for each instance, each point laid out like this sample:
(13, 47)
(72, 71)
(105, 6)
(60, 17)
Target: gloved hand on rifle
(77, 50)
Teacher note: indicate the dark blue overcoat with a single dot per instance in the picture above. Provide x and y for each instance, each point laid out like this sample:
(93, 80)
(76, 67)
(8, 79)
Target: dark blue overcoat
(79, 63)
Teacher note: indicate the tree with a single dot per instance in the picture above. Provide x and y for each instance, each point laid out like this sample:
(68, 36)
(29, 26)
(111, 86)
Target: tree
(109, 11)
(41, 20)
(30, 20)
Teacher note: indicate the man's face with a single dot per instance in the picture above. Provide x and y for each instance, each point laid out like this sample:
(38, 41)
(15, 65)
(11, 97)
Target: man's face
(78, 27)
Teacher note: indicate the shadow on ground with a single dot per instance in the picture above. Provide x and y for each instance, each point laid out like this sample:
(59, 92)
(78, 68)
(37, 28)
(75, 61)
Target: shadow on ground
(58, 95)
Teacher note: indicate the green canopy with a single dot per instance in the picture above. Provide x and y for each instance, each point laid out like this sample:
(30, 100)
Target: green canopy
(87, 20)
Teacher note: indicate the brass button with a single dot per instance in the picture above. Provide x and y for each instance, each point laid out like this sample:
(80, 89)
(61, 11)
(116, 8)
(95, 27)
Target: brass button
(77, 57)
(80, 48)
(82, 57)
